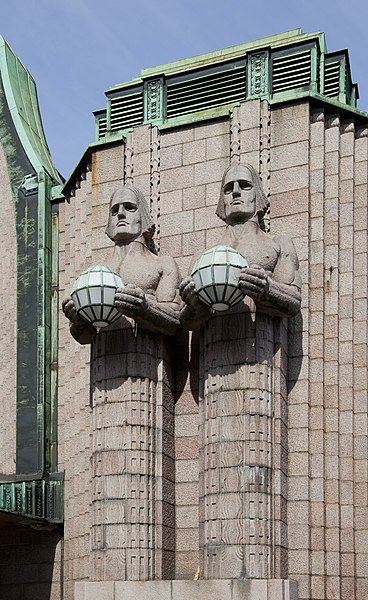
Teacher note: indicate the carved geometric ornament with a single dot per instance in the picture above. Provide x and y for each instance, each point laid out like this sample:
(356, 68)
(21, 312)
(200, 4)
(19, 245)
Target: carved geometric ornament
(258, 74)
(154, 99)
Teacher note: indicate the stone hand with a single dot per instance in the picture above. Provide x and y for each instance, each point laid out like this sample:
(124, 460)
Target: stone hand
(70, 312)
(131, 301)
(254, 282)
(188, 292)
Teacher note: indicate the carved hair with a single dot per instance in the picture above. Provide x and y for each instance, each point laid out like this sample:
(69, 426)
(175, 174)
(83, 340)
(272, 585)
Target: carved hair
(261, 199)
(148, 227)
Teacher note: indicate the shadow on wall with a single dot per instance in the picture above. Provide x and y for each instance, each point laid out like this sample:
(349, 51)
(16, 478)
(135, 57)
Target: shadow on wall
(295, 349)
(30, 559)
(232, 343)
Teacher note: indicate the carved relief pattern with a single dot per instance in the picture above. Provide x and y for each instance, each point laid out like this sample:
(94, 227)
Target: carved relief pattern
(362, 132)
(265, 154)
(258, 74)
(236, 455)
(128, 159)
(154, 99)
(132, 526)
(347, 126)
(317, 115)
(235, 135)
(332, 121)
(155, 183)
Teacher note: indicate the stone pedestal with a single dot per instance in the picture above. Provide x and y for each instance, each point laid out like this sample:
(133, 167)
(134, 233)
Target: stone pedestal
(133, 456)
(239, 469)
(224, 589)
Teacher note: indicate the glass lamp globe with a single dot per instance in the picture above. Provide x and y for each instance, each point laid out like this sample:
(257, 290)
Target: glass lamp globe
(216, 276)
(93, 295)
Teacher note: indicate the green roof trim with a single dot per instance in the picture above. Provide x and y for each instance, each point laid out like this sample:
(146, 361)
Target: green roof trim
(21, 95)
(293, 36)
(348, 111)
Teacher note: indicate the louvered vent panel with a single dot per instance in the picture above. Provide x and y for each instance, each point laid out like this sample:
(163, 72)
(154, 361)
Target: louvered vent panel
(102, 123)
(126, 111)
(292, 71)
(207, 91)
(332, 79)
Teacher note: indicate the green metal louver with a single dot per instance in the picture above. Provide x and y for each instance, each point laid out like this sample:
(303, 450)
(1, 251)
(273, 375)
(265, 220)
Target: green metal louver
(101, 123)
(102, 126)
(186, 95)
(332, 79)
(337, 78)
(126, 111)
(291, 71)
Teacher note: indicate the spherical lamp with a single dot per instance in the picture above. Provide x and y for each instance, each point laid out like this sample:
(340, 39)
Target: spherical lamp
(93, 295)
(216, 277)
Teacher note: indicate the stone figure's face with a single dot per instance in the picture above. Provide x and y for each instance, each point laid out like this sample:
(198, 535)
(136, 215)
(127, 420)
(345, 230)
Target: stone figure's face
(125, 216)
(239, 195)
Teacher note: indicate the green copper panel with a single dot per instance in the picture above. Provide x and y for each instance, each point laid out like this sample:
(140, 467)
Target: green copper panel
(21, 95)
(32, 177)
(52, 419)
(26, 212)
(44, 313)
(35, 402)
(33, 499)
(31, 491)
(29, 458)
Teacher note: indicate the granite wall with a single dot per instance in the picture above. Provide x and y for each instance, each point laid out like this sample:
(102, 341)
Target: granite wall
(313, 164)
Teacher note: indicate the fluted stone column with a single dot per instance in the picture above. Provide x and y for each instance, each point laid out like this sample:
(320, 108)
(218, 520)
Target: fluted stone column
(133, 460)
(242, 388)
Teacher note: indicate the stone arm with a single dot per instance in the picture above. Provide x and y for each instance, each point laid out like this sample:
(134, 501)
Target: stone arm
(277, 293)
(193, 312)
(160, 312)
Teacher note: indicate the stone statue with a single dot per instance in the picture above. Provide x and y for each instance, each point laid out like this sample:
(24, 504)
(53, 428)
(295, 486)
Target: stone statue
(150, 296)
(242, 392)
(272, 280)
(132, 401)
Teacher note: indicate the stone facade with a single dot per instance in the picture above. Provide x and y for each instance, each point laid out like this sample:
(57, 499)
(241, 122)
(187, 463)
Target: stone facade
(313, 163)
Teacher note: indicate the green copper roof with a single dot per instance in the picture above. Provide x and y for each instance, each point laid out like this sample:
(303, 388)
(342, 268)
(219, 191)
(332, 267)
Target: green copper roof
(278, 68)
(21, 96)
(293, 36)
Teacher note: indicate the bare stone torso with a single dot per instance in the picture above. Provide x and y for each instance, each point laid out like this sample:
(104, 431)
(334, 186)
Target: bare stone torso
(257, 247)
(144, 271)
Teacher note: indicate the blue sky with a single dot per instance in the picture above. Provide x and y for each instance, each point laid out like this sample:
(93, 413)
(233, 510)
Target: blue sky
(77, 49)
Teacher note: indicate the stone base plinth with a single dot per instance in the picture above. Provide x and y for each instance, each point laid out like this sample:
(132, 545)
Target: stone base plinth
(215, 589)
